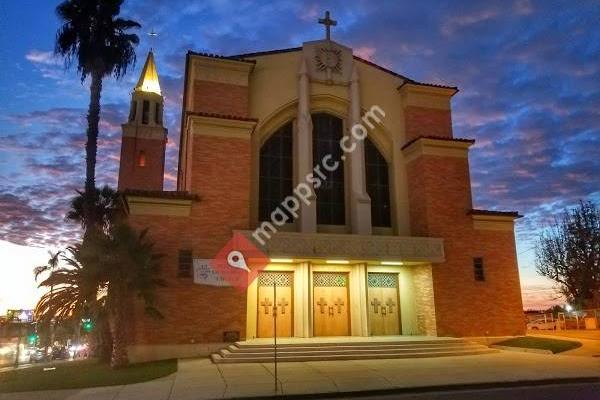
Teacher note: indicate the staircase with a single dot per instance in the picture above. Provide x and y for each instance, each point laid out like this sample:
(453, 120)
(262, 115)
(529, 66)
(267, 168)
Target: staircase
(262, 351)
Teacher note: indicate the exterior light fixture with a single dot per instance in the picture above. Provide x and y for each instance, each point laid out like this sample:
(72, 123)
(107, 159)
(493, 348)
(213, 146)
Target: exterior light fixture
(282, 260)
(392, 263)
(337, 262)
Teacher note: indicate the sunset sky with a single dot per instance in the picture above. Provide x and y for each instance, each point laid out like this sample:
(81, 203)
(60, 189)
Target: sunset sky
(528, 74)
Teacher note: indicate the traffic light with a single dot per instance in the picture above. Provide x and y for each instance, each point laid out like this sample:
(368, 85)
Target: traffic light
(87, 324)
(33, 338)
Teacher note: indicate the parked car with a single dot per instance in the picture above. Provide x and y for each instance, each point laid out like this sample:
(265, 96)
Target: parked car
(541, 324)
(60, 353)
(37, 355)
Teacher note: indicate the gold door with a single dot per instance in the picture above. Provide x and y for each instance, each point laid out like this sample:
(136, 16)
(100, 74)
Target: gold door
(330, 304)
(384, 310)
(267, 305)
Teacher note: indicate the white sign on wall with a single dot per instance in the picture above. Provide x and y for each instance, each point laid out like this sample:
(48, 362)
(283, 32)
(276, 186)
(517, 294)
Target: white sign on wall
(205, 275)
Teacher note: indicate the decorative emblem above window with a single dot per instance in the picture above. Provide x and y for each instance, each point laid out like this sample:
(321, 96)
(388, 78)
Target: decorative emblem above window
(329, 60)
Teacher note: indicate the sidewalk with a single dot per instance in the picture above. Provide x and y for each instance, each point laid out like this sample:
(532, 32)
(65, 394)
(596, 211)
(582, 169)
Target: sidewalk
(200, 379)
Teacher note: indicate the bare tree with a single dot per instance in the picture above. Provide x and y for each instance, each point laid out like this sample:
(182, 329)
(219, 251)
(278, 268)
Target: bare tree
(568, 252)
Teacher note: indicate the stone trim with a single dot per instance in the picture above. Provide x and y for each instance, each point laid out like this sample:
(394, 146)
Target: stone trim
(222, 70)
(493, 223)
(410, 86)
(425, 97)
(436, 147)
(493, 213)
(209, 125)
(143, 205)
(357, 248)
(424, 296)
(155, 132)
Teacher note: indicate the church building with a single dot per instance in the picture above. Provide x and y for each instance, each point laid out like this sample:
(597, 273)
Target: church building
(388, 243)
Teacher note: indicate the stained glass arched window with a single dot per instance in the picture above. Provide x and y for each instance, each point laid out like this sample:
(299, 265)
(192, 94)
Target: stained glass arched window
(275, 171)
(327, 132)
(378, 185)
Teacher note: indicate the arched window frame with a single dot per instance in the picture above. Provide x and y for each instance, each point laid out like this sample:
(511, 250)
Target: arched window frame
(378, 185)
(276, 177)
(328, 130)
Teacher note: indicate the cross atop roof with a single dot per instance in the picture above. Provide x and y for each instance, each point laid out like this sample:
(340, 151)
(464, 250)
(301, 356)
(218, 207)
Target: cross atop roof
(328, 22)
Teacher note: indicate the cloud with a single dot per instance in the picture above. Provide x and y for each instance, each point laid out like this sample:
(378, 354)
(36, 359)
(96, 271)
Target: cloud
(365, 52)
(42, 57)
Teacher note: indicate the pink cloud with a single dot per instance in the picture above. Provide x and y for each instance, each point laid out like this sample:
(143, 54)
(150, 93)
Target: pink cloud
(365, 52)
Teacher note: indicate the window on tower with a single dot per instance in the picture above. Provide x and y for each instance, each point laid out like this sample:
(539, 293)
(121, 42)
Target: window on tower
(145, 111)
(133, 110)
(141, 159)
(157, 114)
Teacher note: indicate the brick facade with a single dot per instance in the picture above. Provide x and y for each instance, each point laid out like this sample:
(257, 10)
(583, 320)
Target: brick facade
(134, 176)
(220, 98)
(440, 198)
(424, 121)
(193, 313)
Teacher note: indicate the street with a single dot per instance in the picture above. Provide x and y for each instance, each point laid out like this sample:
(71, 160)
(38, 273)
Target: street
(571, 391)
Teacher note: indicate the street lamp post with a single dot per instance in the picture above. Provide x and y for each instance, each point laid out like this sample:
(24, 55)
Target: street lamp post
(275, 331)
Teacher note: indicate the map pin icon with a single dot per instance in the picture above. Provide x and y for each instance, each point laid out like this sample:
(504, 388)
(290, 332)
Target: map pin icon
(235, 259)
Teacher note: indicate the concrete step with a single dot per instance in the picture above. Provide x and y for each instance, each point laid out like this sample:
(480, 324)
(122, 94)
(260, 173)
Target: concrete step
(440, 341)
(340, 346)
(347, 350)
(219, 359)
(249, 352)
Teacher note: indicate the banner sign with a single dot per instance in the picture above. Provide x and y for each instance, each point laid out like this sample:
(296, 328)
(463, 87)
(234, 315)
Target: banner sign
(205, 275)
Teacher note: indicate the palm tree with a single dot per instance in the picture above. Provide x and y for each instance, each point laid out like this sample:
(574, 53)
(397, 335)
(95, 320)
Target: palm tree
(106, 209)
(131, 269)
(49, 267)
(93, 37)
(77, 290)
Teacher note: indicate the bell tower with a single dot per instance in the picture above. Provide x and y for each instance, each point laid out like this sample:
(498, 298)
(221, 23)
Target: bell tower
(144, 135)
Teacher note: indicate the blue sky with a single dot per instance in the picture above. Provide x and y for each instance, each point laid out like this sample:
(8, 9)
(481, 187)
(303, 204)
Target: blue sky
(528, 73)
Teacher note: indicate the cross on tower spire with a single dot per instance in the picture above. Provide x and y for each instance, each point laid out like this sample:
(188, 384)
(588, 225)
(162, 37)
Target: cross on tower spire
(153, 36)
(328, 22)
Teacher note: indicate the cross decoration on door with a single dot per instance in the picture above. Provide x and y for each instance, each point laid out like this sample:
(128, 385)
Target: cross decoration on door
(283, 303)
(375, 303)
(390, 305)
(322, 304)
(339, 303)
(266, 303)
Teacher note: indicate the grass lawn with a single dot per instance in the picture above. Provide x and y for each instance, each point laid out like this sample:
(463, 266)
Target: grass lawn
(529, 342)
(82, 374)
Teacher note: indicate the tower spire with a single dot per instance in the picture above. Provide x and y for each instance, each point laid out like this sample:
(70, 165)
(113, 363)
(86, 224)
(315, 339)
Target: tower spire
(148, 81)
(144, 138)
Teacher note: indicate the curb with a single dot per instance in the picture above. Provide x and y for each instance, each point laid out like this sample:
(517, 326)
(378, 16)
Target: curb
(522, 349)
(427, 389)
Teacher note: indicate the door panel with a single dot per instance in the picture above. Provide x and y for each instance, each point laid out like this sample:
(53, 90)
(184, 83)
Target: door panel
(330, 304)
(266, 304)
(384, 312)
